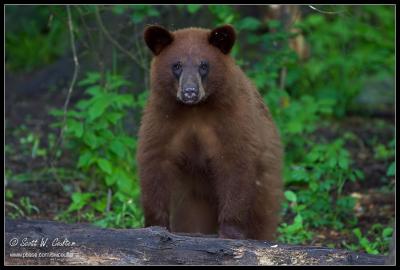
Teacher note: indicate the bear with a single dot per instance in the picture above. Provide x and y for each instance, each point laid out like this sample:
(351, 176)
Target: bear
(209, 153)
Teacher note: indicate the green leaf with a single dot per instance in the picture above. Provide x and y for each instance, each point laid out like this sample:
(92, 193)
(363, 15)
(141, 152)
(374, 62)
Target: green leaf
(392, 169)
(110, 180)
(294, 127)
(315, 19)
(128, 142)
(75, 127)
(118, 9)
(91, 78)
(90, 139)
(313, 156)
(359, 174)
(153, 12)
(84, 104)
(343, 163)
(290, 196)
(118, 148)
(121, 101)
(98, 108)
(124, 181)
(248, 23)
(313, 186)
(298, 174)
(106, 134)
(84, 159)
(332, 162)
(95, 90)
(113, 117)
(79, 200)
(193, 8)
(104, 165)
(229, 18)
(387, 232)
(100, 205)
(372, 251)
(274, 24)
(56, 112)
(357, 232)
(117, 82)
(298, 219)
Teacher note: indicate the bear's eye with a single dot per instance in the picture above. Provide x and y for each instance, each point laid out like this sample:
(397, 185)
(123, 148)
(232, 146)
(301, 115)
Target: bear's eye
(177, 68)
(203, 68)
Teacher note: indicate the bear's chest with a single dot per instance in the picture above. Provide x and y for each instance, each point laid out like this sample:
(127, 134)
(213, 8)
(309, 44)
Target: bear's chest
(193, 148)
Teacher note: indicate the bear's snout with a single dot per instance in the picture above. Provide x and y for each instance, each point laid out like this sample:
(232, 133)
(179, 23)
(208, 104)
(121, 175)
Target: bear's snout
(190, 95)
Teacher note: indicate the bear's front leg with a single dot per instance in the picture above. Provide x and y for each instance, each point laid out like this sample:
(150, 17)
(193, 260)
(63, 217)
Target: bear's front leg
(155, 193)
(235, 193)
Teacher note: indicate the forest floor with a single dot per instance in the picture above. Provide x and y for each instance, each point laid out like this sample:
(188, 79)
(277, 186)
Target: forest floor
(26, 156)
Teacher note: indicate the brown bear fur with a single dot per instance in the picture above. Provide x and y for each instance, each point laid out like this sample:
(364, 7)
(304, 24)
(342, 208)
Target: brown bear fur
(214, 167)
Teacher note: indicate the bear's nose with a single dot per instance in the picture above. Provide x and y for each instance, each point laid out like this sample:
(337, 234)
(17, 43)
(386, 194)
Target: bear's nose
(190, 93)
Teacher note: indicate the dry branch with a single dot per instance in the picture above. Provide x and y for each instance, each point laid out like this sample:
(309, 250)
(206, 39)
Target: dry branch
(82, 244)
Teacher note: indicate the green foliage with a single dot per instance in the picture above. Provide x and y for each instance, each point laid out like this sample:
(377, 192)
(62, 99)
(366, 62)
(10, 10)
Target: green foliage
(193, 8)
(223, 14)
(391, 171)
(346, 50)
(275, 55)
(381, 238)
(24, 207)
(295, 233)
(319, 179)
(94, 129)
(383, 152)
(139, 13)
(315, 172)
(37, 39)
(27, 205)
(32, 143)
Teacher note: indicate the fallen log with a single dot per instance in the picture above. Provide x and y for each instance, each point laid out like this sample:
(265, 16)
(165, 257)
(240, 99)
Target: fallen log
(36, 242)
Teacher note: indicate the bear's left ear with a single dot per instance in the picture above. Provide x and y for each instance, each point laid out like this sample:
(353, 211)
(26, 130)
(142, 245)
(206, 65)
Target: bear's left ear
(223, 37)
(157, 38)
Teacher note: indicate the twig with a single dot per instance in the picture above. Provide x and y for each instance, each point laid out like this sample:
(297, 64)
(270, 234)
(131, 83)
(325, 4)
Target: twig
(109, 197)
(71, 87)
(74, 76)
(114, 42)
(325, 12)
(91, 39)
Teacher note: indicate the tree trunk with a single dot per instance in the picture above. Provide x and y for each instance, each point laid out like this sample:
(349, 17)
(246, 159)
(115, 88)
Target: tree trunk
(53, 243)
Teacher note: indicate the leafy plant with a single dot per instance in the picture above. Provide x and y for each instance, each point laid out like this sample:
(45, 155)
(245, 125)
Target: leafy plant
(139, 12)
(27, 205)
(295, 233)
(21, 209)
(346, 50)
(380, 243)
(36, 39)
(94, 129)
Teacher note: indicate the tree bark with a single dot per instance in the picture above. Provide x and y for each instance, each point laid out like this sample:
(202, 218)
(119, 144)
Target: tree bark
(53, 243)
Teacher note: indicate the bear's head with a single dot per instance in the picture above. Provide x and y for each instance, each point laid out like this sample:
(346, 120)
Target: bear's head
(189, 64)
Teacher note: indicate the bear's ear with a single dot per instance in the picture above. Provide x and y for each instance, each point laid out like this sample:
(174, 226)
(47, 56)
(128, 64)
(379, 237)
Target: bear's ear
(223, 37)
(157, 38)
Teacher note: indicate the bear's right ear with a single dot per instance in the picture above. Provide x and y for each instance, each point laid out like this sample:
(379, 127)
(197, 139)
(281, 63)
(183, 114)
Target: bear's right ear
(157, 38)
